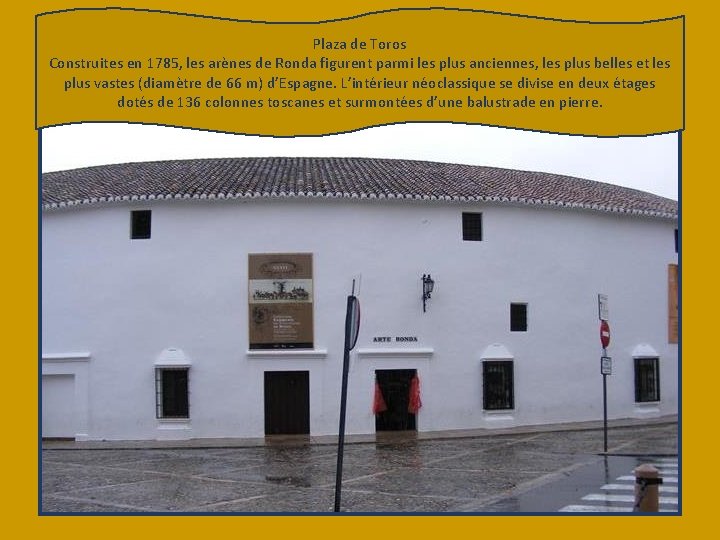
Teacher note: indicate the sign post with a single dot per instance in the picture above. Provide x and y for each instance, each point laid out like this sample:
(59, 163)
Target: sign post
(352, 328)
(603, 311)
(605, 360)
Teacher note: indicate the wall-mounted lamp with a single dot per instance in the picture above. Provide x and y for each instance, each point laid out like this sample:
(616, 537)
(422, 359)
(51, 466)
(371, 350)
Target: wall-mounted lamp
(428, 285)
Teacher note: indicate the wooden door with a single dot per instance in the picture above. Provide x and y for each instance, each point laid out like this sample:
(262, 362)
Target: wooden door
(287, 402)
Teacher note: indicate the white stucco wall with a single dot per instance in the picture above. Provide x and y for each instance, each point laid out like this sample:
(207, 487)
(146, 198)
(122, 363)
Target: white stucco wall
(125, 301)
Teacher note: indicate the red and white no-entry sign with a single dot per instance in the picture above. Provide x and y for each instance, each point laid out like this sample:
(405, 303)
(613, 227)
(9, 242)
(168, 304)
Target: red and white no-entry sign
(604, 334)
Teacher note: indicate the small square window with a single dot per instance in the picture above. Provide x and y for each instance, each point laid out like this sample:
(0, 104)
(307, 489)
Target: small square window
(518, 318)
(472, 226)
(647, 380)
(498, 385)
(140, 221)
(171, 393)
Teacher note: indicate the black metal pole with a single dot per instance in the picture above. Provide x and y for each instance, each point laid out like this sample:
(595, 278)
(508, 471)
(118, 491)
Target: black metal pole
(605, 406)
(343, 403)
(605, 411)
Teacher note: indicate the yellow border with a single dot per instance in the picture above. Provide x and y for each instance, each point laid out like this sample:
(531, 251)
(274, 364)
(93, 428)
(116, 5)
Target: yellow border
(20, 255)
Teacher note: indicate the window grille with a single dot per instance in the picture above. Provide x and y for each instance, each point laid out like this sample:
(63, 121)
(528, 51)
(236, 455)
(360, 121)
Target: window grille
(171, 393)
(647, 380)
(498, 386)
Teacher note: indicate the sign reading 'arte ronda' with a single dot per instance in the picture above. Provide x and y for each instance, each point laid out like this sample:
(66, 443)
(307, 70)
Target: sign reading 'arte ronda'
(280, 289)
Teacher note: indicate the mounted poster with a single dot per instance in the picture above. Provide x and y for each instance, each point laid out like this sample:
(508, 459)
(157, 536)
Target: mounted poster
(280, 299)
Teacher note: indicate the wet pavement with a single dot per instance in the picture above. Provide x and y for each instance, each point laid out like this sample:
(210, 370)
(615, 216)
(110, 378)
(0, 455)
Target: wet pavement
(606, 485)
(508, 471)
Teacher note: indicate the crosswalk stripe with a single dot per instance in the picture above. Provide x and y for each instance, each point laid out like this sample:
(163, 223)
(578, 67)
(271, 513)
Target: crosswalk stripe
(631, 487)
(624, 498)
(666, 479)
(589, 508)
(593, 508)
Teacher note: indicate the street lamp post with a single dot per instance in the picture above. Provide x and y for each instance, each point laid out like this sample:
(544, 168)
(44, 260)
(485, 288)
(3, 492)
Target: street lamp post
(428, 285)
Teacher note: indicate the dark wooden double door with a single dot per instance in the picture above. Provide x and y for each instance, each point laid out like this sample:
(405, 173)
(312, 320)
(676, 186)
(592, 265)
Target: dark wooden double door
(287, 403)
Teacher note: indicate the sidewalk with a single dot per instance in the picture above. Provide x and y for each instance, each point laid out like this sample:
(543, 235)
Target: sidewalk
(383, 437)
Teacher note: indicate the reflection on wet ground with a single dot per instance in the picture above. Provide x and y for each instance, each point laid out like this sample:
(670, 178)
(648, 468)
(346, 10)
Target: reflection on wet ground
(524, 472)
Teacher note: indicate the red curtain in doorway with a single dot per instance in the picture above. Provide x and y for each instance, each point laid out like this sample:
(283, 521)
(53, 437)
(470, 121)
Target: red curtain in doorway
(415, 402)
(379, 404)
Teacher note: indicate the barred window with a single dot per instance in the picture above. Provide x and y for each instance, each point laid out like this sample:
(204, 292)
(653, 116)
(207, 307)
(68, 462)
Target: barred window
(647, 380)
(171, 393)
(498, 386)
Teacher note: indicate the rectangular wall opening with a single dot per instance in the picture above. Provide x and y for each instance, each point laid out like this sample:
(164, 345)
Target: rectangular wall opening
(395, 388)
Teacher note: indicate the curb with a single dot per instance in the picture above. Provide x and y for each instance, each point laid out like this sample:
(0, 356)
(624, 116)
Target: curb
(324, 440)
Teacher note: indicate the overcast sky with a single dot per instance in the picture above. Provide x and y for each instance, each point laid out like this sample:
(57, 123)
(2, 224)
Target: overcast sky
(645, 163)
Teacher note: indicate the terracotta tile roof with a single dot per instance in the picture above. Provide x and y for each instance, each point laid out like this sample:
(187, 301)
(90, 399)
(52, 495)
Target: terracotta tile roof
(349, 178)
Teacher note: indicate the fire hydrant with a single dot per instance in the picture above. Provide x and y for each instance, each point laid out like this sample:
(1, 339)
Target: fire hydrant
(647, 488)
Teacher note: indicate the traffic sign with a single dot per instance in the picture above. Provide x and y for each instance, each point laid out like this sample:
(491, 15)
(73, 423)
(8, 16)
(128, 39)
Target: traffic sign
(354, 322)
(604, 334)
(606, 365)
(603, 310)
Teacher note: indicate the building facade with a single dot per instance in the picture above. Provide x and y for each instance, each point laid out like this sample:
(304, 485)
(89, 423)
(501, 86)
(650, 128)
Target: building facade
(206, 298)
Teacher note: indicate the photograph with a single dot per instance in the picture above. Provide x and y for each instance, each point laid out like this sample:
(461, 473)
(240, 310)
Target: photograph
(512, 347)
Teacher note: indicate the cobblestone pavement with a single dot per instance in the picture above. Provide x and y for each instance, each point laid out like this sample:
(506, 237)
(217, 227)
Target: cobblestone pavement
(389, 475)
